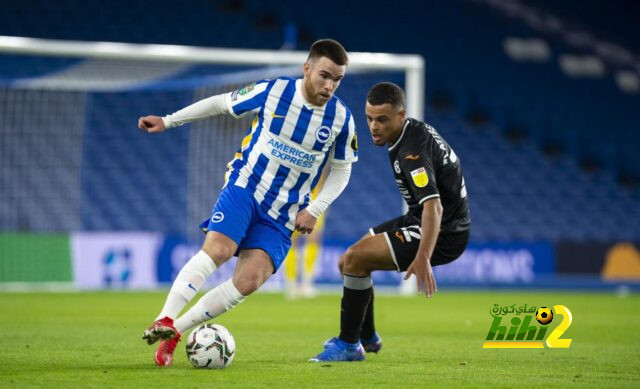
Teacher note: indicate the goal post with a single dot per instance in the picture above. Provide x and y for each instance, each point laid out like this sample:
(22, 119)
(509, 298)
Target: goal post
(411, 64)
(77, 116)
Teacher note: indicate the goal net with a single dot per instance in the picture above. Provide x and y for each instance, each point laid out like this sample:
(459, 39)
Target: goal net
(73, 159)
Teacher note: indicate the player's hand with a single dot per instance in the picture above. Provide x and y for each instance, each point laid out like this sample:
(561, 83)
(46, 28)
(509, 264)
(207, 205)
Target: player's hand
(305, 222)
(421, 268)
(151, 124)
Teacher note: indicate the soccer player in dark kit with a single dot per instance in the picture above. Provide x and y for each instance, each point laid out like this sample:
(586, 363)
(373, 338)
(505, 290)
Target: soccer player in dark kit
(435, 231)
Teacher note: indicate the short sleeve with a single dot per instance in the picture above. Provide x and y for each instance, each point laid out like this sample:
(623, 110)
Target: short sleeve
(346, 145)
(248, 99)
(420, 173)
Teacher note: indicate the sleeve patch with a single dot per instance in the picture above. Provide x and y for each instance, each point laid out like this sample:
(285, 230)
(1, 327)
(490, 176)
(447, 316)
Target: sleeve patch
(247, 89)
(243, 91)
(354, 142)
(420, 178)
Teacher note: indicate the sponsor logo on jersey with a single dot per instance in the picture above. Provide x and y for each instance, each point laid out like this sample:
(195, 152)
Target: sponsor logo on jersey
(217, 217)
(291, 154)
(412, 157)
(403, 190)
(323, 134)
(420, 177)
(396, 167)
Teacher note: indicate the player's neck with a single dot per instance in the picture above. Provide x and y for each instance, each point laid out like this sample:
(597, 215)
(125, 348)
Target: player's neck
(396, 136)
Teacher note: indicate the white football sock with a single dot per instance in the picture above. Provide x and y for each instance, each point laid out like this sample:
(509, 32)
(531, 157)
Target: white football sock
(186, 285)
(216, 302)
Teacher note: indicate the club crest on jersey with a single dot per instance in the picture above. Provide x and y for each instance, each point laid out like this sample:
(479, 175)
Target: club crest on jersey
(217, 217)
(396, 167)
(323, 134)
(420, 177)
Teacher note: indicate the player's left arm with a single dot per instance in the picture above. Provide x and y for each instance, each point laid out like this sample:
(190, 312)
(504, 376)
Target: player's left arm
(334, 184)
(421, 265)
(343, 153)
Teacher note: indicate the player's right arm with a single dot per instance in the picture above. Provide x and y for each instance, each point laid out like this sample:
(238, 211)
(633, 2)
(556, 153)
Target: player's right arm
(151, 124)
(419, 170)
(421, 265)
(248, 99)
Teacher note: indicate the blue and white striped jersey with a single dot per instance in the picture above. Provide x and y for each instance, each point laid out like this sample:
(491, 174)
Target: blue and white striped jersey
(288, 144)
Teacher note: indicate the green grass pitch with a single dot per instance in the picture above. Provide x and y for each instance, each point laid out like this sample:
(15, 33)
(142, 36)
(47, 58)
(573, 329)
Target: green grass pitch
(93, 340)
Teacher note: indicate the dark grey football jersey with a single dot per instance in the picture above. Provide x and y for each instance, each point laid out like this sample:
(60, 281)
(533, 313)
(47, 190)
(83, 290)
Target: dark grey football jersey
(425, 166)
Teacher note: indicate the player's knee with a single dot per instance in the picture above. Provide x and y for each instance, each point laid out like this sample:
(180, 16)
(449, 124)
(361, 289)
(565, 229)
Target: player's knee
(351, 261)
(249, 282)
(217, 252)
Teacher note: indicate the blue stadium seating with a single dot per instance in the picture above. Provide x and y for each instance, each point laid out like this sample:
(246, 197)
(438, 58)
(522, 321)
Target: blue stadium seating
(128, 181)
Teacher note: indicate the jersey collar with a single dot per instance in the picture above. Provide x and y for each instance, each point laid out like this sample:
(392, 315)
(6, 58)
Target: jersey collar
(393, 146)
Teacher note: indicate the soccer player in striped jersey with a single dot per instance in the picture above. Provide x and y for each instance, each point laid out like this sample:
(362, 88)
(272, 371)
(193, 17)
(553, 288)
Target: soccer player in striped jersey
(299, 127)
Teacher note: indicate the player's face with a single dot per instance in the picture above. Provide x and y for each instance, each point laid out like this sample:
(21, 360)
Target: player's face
(322, 77)
(385, 122)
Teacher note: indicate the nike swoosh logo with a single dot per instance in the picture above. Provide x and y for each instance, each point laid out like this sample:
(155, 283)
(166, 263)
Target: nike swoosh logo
(192, 287)
(273, 115)
(208, 314)
(412, 157)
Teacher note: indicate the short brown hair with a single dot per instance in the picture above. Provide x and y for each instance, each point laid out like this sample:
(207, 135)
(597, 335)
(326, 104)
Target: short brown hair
(331, 49)
(386, 92)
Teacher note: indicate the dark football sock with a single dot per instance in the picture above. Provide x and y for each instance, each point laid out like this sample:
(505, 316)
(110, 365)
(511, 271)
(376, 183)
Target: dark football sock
(368, 327)
(355, 299)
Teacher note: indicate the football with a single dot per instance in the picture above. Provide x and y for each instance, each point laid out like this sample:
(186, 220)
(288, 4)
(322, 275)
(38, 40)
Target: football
(544, 315)
(211, 346)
